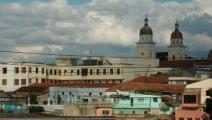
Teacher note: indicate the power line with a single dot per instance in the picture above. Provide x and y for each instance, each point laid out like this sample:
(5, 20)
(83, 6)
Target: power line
(68, 55)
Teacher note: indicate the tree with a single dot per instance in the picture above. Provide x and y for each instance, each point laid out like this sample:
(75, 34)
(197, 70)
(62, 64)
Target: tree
(33, 99)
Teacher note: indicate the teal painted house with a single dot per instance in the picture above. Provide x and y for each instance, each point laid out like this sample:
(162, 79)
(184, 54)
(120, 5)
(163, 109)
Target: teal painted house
(138, 104)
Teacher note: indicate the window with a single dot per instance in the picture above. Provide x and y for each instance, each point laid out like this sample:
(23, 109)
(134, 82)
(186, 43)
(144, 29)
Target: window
(120, 81)
(189, 119)
(59, 72)
(118, 71)
(173, 57)
(23, 69)
(36, 70)
(190, 99)
(47, 71)
(140, 99)
(69, 93)
(197, 118)
(4, 70)
(16, 82)
(65, 71)
(105, 112)
(16, 70)
(131, 101)
(100, 93)
(78, 72)
(104, 71)
(181, 118)
(30, 69)
(55, 72)
(42, 80)
(91, 72)
(36, 81)
(97, 71)
(42, 70)
(90, 94)
(155, 99)
(23, 81)
(50, 71)
(4, 82)
(84, 72)
(133, 112)
(111, 71)
(30, 80)
(72, 71)
(142, 54)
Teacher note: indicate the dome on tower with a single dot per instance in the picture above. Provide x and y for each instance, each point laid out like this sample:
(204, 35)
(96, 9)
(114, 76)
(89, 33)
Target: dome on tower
(176, 34)
(146, 30)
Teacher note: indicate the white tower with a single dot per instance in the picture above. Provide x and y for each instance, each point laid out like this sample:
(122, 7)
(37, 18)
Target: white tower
(177, 48)
(145, 45)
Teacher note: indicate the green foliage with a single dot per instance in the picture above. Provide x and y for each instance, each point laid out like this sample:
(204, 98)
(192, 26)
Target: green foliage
(33, 99)
(36, 109)
(1, 110)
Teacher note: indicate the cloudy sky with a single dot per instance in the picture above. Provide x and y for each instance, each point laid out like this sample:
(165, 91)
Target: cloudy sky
(107, 27)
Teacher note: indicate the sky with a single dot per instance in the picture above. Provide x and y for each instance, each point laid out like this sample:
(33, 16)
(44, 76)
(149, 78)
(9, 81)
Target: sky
(105, 27)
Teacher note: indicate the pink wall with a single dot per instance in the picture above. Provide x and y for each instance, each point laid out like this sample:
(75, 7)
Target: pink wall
(103, 111)
(185, 113)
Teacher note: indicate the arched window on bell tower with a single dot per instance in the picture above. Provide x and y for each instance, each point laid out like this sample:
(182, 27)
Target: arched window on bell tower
(173, 57)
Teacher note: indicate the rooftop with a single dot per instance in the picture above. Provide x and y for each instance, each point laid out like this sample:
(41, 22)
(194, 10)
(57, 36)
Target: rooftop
(84, 85)
(185, 63)
(137, 86)
(192, 91)
(162, 79)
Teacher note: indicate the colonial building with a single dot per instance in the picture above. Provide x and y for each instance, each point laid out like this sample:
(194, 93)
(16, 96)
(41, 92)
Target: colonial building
(145, 45)
(176, 48)
(191, 107)
(138, 104)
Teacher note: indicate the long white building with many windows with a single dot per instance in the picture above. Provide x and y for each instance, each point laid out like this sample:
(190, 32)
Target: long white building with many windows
(68, 70)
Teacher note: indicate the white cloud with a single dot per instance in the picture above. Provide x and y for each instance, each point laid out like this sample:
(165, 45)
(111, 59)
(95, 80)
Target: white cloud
(56, 25)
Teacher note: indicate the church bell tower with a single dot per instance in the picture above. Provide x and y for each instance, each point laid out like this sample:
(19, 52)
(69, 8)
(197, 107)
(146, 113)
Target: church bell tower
(176, 48)
(145, 45)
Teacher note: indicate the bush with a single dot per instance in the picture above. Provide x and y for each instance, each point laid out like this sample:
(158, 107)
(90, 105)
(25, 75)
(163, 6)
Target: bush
(36, 109)
(33, 99)
(1, 110)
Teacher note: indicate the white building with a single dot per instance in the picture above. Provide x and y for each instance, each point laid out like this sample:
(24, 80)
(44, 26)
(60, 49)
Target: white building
(146, 45)
(66, 70)
(203, 85)
(15, 75)
(177, 48)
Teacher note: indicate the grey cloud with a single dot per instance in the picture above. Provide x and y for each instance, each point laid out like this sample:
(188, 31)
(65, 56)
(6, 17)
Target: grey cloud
(108, 27)
(198, 24)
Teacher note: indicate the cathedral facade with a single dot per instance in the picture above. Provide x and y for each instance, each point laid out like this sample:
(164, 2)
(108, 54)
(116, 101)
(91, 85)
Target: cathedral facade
(146, 46)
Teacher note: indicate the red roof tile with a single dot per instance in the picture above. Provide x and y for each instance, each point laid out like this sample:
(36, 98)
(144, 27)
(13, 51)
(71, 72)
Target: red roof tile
(152, 79)
(185, 63)
(32, 89)
(136, 86)
(85, 85)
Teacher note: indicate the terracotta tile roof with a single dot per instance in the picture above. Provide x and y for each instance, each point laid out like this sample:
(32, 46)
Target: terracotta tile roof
(185, 63)
(85, 85)
(137, 86)
(152, 79)
(32, 89)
